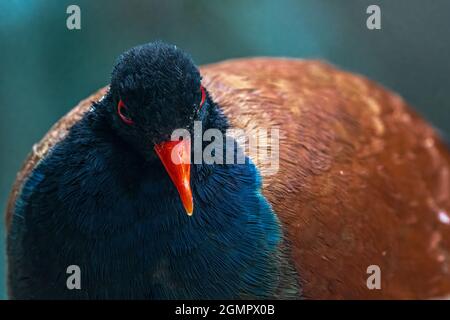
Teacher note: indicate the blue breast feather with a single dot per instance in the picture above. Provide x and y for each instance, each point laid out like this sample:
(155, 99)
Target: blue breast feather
(123, 224)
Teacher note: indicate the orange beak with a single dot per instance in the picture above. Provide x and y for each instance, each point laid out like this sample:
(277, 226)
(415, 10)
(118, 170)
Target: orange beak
(176, 158)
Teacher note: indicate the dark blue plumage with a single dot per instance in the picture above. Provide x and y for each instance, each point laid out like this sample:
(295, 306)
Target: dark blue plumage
(102, 200)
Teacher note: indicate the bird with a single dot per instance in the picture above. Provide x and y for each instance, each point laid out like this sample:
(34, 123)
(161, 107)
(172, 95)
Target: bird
(362, 181)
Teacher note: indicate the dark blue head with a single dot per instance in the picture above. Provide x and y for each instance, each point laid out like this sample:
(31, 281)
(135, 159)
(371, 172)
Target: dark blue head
(158, 88)
(155, 89)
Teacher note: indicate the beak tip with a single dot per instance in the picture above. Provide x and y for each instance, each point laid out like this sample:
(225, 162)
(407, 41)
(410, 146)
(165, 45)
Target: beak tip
(189, 209)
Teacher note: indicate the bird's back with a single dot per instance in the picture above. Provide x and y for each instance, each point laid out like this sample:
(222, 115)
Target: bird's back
(362, 180)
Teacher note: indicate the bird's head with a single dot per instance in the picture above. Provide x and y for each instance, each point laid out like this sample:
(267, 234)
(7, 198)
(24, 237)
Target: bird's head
(156, 89)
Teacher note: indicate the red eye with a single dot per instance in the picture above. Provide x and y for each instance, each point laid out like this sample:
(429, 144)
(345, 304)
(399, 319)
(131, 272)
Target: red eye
(203, 97)
(122, 112)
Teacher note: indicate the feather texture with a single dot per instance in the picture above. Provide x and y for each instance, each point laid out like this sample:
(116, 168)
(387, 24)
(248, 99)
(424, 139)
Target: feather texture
(362, 180)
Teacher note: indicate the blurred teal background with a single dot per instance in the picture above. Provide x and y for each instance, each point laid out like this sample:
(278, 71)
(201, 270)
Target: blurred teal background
(45, 69)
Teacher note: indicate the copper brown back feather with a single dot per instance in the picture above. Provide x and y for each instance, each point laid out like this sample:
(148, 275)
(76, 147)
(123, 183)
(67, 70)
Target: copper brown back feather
(362, 179)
